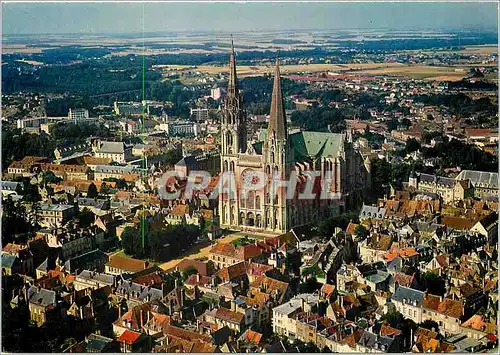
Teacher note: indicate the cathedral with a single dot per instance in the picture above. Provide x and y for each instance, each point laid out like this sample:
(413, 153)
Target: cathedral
(339, 167)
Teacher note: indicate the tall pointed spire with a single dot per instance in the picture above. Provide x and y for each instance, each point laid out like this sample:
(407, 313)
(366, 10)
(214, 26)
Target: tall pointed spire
(277, 119)
(232, 87)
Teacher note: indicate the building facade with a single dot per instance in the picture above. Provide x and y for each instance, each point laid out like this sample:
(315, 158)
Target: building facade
(328, 161)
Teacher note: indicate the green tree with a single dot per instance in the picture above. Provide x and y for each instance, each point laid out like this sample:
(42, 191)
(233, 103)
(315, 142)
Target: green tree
(412, 145)
(361, 232)
(131, 241)
(85, 218)
(429, 324)
(92, 191)
(188, 272)
(381, 176)
(15, 227)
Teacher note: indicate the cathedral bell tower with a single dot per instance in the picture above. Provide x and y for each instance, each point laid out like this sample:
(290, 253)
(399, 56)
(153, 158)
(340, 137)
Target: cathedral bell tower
(233, 136)
(233, 124)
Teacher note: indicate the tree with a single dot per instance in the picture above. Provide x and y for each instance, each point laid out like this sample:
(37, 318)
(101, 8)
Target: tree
(361, 232)
(188, 272)
(50, 178)
(327, 227)
(131, 241)
(398, 321)
(434, 283)
(14, 223)
(309, 286)
(105, 190)
(392, 124)
(85, 218)
(92, 191)
(412, 145)
(429, 324)
(381, 176)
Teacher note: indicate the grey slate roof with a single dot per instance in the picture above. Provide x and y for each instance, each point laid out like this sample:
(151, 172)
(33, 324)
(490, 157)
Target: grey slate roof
(39, 296)
(119, 169)
(138, 291)
(479, 178)
(97, 203)
(368, 211)
(112, 147)
(98, 276)
(97, 343)
(408, 295)
(377, 277)
(54, 207)
(440, 180)
(8, 260)
(10, 185)
(81, 262)
(374, 341)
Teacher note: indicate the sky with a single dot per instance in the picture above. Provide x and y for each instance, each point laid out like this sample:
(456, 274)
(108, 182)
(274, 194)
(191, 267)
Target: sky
(58, 18)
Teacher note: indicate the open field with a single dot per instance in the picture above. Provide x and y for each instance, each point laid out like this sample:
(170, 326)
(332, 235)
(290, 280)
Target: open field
(31, 62)
(396, 69)
(198, 251)
(486, 49)
(20, 48)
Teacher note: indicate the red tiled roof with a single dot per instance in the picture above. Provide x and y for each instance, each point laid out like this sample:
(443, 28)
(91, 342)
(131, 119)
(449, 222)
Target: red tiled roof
(328, 289)
(451, 308)
(269, 285)
(147, 280)
(226, 249)
(402, 253)
(232, 272)
(431, 302)
(126, 264)
(458, 223)
(253, 337)
(129, 337)
(442, 260)
(193, 280)
(180, 333)
(403, 279)
(203, 268)
(351, 228)
(246, 252)
(229, 316)
(387, 330)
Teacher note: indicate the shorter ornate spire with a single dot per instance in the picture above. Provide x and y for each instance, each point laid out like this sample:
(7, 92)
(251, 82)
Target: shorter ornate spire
(232, 87)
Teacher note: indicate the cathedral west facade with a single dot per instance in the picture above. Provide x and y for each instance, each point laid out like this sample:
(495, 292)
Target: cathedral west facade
(340, 169)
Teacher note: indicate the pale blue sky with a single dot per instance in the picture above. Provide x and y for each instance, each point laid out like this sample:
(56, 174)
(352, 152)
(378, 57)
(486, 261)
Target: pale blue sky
(127, 17)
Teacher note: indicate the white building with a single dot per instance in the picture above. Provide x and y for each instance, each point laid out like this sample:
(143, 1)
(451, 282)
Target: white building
(283, 321)
(182, 128)
(117, 151)
(78, 114)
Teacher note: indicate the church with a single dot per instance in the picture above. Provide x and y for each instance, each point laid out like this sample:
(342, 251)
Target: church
(339, 167)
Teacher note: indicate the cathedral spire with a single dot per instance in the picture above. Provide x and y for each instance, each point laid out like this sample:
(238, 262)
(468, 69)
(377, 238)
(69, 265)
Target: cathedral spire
(277, 119)
(232, 87)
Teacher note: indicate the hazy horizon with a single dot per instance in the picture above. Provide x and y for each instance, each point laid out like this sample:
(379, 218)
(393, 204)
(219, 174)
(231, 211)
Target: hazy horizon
(127, 18)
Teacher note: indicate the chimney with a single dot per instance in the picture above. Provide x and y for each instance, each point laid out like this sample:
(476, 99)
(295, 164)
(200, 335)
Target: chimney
(198, 278)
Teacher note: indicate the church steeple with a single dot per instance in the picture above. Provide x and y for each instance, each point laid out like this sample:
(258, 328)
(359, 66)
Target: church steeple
(232, 87)
(277, 117)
